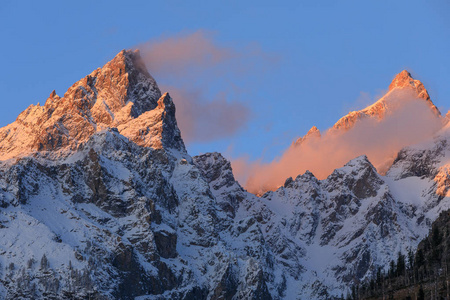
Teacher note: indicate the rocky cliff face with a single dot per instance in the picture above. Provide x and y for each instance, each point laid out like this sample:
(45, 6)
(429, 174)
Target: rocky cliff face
(100, 200)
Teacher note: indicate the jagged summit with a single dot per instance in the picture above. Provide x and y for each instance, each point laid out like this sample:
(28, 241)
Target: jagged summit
(121, 89)
(405, 79)
(401, 82)
(121, 94)
(360, 162)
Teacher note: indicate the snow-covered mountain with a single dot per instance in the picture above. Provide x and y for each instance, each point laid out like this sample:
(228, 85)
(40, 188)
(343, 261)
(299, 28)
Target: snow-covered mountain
(99, 199)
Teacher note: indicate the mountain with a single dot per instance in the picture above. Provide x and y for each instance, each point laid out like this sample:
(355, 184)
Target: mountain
(403, 87)
(99, 199)
(402, 83)
(327, 234)
(120, 95)
(313, 133)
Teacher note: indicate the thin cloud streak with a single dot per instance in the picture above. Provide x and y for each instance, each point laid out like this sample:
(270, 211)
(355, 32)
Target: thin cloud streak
(203, 78)
(178, 55)
(201, 120)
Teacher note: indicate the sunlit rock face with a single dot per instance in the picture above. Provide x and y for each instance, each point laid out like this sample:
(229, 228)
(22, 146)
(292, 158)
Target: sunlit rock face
(99, 199)
(121, 94)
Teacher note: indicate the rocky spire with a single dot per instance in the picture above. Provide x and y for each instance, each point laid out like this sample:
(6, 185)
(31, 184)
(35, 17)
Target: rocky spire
(156, 128)
(404, 79)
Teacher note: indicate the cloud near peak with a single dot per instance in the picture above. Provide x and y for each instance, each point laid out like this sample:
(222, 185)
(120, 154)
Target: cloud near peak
(203, 77)
(410, 121)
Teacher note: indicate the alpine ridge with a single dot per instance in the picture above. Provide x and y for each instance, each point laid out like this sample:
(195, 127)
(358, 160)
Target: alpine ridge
(99, 199)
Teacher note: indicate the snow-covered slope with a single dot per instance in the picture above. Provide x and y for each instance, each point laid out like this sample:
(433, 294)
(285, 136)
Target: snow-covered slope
(99, 199)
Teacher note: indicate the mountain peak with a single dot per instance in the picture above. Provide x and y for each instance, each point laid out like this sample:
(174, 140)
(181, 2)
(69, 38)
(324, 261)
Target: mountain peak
(313, 133)
(404, 79)
(118, 94)
(378, 110)
(128, 61)
(120, 90)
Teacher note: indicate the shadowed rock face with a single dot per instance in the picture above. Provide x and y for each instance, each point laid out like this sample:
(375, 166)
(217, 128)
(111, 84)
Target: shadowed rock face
(219, 175)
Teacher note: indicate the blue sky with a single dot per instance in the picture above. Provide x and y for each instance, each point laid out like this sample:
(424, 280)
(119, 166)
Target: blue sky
(326, 57)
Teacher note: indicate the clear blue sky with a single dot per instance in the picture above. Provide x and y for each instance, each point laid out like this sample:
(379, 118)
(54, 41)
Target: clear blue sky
(328, 53)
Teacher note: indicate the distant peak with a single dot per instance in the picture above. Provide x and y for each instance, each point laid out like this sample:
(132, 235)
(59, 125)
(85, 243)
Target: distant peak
(403, 79)
(314, 131)
(378, 110)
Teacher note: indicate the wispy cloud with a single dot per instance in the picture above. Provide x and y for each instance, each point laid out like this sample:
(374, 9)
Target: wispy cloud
(202, 119)
(203, 77)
